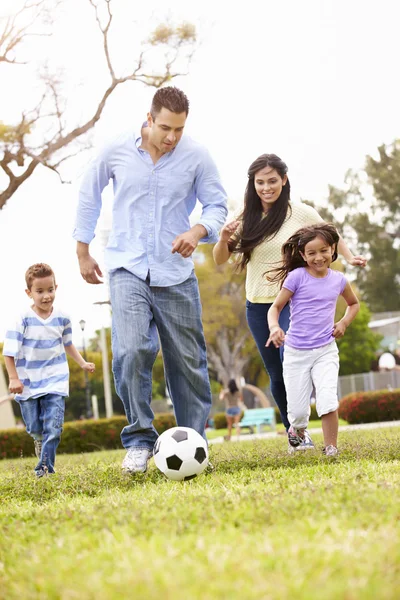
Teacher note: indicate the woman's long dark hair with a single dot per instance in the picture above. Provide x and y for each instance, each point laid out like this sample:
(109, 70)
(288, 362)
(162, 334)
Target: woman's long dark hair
(255, 229)
(291, 256)
(232, 386)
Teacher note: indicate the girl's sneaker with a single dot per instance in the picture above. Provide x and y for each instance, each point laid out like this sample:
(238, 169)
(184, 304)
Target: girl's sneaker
(295, 436)
(330, 451)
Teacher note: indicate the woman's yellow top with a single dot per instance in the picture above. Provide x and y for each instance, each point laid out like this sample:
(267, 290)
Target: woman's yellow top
(268, 255)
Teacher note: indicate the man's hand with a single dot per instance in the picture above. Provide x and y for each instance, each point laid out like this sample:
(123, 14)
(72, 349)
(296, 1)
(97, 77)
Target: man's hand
(228, 230)
(276, 337)
(90, 270)
(15, 386)
(339, 330)
(186, 243)
(358, 261)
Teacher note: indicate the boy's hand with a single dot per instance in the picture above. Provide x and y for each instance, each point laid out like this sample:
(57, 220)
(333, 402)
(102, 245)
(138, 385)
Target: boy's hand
(228, 230)
(277, 337)
(339, 330)
(87, 366)
(15, 386)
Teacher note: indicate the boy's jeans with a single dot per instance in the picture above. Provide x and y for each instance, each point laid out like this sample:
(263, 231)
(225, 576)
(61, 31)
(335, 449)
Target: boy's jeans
(44, 418)
(143, 315)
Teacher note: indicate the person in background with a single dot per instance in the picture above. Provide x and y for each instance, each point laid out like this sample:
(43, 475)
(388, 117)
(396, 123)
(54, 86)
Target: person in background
(232, 398)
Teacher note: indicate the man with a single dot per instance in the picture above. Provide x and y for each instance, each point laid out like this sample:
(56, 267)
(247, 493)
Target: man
(157, 176)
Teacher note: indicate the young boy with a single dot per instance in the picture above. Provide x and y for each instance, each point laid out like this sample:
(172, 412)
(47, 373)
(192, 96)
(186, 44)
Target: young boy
(34, 353)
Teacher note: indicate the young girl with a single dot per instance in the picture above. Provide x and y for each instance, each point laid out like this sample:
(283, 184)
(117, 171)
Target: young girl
(311, 357)
(233, 399)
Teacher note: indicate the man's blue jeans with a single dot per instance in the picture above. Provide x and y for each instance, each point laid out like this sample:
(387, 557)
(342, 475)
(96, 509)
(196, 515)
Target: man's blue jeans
(272, 357)
(44, 418)
(142, 317)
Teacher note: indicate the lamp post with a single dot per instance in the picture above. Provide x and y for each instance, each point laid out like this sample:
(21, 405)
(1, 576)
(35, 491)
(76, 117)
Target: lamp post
(106, 369)
(82, 324)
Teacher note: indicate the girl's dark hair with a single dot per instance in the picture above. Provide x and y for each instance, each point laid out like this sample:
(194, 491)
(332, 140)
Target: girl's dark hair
(232, 386)
(291, 256)
(255, 229)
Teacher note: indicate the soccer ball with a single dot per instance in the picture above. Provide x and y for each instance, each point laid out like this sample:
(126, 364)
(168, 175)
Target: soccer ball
(181, 453)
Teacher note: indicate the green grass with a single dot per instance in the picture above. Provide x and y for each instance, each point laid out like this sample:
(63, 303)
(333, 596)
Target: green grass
(263, 525)
(216, 433)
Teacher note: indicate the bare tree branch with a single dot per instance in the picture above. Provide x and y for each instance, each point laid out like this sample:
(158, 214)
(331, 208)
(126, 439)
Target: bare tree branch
(14, 33)
(15, 140)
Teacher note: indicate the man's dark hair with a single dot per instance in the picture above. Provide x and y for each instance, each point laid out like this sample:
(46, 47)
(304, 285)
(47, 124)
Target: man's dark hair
(170, 98)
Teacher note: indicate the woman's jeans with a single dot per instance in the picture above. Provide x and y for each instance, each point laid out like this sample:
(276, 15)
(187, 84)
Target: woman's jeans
(144, 316)
(272, 357)
(44, 418)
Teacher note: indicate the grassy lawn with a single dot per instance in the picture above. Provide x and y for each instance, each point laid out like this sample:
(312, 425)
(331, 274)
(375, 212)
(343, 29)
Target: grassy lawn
(263, 525)
(216, 433)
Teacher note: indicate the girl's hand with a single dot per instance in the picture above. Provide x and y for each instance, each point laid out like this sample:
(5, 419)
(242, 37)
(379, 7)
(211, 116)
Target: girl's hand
(339, 330)
(87, 366)
(15, 386)
(358, 261)
(277, 337)
(228, 230)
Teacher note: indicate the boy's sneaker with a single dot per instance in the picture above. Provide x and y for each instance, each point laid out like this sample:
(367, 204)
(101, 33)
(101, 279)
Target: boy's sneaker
(330, 451)
(38, 448)
(295, 437)
(136, 460)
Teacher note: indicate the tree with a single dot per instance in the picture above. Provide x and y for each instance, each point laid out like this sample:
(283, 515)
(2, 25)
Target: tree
(358, 346)
(230, 347)
(43, 136)
(367, 211)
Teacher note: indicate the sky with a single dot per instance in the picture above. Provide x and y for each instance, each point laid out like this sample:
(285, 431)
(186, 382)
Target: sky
(314, 82)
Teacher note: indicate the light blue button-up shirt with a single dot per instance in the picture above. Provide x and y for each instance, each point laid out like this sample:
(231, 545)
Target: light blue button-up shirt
(152, 204)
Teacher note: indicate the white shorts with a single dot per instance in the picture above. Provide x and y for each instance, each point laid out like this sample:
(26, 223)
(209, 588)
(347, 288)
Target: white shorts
(303, 369)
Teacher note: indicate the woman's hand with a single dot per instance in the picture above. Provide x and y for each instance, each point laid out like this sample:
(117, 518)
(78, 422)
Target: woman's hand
(358, 261)
(228, 230)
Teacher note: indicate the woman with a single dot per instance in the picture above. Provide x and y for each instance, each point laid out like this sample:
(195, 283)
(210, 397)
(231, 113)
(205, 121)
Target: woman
(233, 399)
(268, 219)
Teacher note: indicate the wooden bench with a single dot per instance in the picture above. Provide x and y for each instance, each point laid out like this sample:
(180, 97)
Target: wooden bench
(256, 417)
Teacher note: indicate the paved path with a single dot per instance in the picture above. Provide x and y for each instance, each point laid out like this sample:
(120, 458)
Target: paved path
(274, 434)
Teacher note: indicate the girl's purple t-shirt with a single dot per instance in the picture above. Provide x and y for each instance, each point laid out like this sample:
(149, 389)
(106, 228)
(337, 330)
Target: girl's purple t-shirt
(312, 307)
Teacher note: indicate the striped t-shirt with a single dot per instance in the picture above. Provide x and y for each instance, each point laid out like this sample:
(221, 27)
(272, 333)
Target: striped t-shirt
(37, 346)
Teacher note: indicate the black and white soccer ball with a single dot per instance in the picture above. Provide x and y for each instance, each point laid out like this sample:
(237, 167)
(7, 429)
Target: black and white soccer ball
(181, 453)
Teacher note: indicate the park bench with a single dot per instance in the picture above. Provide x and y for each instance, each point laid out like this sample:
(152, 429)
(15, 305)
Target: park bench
(256, 417)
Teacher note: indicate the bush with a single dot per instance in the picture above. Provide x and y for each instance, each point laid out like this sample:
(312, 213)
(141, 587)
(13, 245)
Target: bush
(220, 420)
(370, 407)
(78, 436)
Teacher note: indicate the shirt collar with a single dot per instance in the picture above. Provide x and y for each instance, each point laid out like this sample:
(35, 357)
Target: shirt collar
(138, 139)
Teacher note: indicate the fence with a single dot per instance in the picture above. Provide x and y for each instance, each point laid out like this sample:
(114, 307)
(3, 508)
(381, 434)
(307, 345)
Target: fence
(368, 382)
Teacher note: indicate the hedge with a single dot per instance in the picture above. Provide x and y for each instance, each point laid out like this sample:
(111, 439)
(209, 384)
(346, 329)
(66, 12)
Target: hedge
(78, 436)
(370, 407)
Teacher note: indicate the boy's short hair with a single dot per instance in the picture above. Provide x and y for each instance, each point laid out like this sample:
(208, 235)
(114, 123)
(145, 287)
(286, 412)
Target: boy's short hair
(37, 271)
